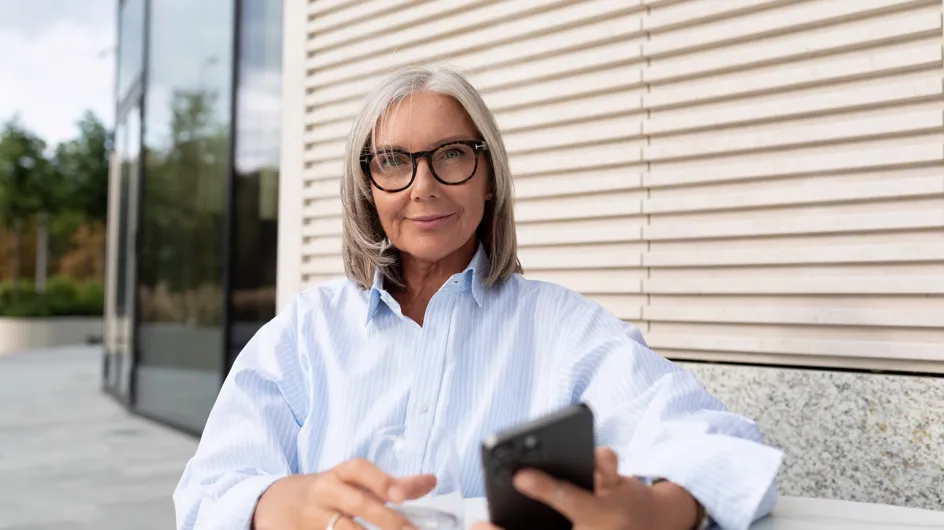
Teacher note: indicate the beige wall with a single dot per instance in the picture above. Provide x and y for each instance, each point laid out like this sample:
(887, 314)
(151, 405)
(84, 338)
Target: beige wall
(748, 180)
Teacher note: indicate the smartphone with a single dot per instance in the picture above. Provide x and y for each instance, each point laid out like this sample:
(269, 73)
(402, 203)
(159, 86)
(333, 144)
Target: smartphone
(560, 444)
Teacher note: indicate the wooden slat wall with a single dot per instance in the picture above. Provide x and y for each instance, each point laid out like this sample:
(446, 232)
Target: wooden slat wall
(795, 182)
(748, 180)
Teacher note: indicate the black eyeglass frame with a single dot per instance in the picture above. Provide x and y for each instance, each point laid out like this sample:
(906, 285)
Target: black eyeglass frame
(477, 146)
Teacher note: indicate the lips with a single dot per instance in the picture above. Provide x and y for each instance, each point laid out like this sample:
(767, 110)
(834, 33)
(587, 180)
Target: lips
(428, 218)
(430, 221)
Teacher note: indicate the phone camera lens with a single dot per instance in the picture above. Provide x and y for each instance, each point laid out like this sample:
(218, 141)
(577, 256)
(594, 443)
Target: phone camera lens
(531, 442)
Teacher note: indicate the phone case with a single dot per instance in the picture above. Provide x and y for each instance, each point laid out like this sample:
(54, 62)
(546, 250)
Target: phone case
(560, 444)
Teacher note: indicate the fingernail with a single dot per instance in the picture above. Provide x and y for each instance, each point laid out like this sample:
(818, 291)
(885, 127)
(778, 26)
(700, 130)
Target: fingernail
(525, 480)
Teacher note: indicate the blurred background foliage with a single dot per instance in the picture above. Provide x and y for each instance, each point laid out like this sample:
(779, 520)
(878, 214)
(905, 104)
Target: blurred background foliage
(53, 210)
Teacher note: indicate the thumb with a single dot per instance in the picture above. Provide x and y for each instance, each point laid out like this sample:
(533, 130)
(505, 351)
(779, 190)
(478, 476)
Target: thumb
(607, 468)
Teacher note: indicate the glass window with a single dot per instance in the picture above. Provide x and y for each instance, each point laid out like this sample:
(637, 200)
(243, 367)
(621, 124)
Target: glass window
(128, 144)
(187, 135)
(256, 186)
(130, 44)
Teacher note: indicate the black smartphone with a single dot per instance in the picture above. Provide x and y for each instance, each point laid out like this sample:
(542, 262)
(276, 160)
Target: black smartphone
(560, 444)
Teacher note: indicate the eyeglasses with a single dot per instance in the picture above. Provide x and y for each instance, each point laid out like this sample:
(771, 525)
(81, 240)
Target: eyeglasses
(452, 163)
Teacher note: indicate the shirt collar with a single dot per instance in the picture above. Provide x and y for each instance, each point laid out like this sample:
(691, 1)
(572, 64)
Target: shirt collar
(469, 279)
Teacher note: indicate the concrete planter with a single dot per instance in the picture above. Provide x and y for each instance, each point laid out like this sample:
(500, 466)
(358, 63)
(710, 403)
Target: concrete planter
(20, 334)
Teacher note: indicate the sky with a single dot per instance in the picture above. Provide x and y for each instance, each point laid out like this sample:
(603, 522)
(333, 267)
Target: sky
(57, 60)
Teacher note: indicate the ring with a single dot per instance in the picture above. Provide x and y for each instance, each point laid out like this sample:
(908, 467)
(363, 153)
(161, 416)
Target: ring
(334, 519)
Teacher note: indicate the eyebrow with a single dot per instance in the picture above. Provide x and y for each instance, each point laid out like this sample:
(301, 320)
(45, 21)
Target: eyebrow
(440, 143)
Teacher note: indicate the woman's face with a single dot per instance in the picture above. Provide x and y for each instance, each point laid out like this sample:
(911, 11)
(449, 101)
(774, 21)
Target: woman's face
(430, 220)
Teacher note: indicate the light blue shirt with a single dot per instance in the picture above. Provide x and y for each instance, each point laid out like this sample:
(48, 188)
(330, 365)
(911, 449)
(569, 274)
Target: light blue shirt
(341, 362)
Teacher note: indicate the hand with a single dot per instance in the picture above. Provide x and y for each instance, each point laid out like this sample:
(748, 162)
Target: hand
(356, 488)
(618, 503)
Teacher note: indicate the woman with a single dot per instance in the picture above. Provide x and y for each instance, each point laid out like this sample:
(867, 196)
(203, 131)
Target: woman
(435, 330)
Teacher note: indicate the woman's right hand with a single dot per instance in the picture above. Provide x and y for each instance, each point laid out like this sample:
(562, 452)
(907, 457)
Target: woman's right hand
(353, 489)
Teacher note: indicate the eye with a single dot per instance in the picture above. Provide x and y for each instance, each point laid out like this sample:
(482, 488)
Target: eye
(451, 153)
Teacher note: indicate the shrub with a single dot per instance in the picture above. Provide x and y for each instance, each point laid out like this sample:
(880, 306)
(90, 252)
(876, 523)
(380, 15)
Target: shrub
(63, 297)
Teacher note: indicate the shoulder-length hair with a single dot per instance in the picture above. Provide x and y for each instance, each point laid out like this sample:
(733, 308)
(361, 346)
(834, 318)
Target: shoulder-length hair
(364, 245)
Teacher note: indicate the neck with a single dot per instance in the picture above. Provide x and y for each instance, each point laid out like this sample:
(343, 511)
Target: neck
(423, 278)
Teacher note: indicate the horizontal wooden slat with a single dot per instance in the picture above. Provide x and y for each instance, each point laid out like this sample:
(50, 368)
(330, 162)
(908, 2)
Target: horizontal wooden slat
(812, 254)
(623, 306)
(801, 285)
(321, 246)
(323, 208)
(837, 161)
(565, 89)
(798, 346)
(875, 95)
(316, 189)
(583, 110)
(567, 184)
(551, 137)
(348, 9)
(576, 159)
(323, 265)
(596, 256)
(673, 15)
(596, 231)
(793, 47)
(329, 225)
(600, 282)
(928, 186)
(795, 135)
(814, 316)
(843, 68)
(761, 226)
(587, 207)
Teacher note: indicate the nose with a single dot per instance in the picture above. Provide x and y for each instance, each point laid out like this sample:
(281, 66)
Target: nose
(424, 185)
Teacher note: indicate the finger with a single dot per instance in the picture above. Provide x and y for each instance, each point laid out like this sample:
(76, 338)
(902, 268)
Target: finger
(481, 525)
(354, 502)
(607, 468)
(362, 473)
(343, 523)
(576, 504)
(416, 486)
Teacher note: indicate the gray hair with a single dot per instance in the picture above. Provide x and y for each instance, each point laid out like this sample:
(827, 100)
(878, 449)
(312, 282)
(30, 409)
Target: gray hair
(364, 245)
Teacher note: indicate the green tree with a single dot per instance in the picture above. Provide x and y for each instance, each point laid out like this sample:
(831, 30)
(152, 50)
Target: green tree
(82, 164)
(82, 169)
(27, 184)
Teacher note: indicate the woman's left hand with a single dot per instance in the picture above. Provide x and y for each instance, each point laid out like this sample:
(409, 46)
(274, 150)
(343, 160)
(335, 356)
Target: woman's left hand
(618, 503)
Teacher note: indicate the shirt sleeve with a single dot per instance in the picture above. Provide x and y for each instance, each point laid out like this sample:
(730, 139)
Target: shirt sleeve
(663, 424)
(249, 440)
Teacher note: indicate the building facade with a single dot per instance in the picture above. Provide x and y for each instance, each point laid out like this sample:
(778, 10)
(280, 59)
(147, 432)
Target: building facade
(193, 217)
(757, 184)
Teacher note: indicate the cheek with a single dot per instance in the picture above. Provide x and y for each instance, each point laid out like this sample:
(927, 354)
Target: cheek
(386, 208)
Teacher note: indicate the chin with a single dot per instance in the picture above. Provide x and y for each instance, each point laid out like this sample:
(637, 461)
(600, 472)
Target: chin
(431, 248)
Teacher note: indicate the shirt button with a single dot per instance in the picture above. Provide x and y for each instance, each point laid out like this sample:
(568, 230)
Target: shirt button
(421, 408)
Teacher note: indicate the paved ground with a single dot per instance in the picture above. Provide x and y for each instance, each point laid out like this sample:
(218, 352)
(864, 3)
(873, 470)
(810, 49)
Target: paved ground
(71, 458)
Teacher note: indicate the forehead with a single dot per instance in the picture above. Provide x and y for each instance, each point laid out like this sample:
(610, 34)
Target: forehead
(422, 119)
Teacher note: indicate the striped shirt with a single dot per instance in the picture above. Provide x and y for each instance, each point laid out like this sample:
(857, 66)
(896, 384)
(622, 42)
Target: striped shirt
(341, 362)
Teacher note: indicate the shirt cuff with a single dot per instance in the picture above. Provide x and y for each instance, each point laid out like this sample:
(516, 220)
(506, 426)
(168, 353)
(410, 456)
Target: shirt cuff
(235, 508)
(728, 476)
